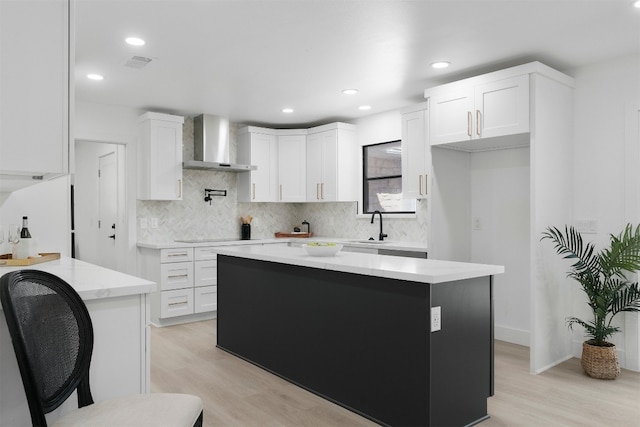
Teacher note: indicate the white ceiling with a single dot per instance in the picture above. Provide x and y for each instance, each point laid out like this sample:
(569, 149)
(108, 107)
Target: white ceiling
(248, 59)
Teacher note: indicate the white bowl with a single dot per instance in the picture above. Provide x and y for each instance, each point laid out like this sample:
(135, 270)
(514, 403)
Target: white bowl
(322, 249)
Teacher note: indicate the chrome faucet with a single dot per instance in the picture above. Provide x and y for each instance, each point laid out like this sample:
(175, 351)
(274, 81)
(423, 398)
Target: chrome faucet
(382, 235)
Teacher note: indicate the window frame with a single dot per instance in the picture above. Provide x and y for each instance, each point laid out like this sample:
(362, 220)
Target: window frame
(366, 180)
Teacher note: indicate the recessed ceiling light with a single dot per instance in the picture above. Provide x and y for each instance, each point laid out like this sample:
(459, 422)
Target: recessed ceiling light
(287, 110)
(364, 107)
(637, 4)
(134, 41)
(350, 91)
(440, 64)
(95, 77)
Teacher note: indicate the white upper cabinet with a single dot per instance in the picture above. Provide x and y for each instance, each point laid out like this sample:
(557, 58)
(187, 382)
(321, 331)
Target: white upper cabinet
(259, 147)
(160, 157)
(34, 105)
(332, 163)
(451, 117)
(479, 108)
(292, 167)
(502, 107)
(416, 153)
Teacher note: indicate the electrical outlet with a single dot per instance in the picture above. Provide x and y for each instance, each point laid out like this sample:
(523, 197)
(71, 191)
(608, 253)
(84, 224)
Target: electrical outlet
(477, 224)
(436, 319)
(144, 223)
(154, 222)
(587, 226)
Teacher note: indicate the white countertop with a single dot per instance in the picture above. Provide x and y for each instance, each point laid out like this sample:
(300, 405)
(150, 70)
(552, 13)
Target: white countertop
(89, 280)
(388, 244)
(401, 268)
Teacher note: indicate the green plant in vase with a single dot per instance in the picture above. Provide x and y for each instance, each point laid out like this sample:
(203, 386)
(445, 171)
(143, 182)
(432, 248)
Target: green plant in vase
(603, 278)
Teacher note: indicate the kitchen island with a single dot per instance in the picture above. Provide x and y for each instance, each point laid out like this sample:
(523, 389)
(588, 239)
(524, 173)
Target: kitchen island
(356, 329)
(119, 308)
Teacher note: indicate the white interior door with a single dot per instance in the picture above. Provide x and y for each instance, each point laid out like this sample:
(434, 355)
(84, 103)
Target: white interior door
(107, 209)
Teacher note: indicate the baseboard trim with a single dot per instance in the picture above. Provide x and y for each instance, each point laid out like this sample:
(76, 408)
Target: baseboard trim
(512, 335)
(551, 365)
(171, 321)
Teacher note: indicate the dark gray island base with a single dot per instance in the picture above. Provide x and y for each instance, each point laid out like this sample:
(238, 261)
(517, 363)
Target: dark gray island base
(363, 342)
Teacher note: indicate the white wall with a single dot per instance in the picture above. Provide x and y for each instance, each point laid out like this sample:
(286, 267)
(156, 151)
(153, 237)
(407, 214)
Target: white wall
(500, 228)
(112, 124)
(48, 207)
(604, 93)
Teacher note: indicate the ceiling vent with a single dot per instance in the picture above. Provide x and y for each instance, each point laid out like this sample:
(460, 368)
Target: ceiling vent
(137, 62)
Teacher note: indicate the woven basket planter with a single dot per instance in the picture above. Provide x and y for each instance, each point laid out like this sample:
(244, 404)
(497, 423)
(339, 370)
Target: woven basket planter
(600, 362)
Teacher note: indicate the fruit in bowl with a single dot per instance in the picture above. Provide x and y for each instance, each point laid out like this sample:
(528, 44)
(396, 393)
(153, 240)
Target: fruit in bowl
(322, 248)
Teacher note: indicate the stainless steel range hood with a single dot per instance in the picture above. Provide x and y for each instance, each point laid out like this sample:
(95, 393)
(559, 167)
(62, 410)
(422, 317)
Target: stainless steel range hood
(211, 146)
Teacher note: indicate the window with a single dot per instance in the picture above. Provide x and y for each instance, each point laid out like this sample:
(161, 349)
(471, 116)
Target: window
(382, 179)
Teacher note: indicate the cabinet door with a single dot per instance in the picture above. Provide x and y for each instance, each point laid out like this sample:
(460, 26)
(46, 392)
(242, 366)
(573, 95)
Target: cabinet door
(205, 273)
(329, 182)
(176, 255)
(502, 107)
(205, 253)
(292, 168)
(314, 166)
(176, 303)
(416, 155)
(34, 106)
(206, 299)
(451, 117)
(160, 157)
(264, 180)
(176, 275)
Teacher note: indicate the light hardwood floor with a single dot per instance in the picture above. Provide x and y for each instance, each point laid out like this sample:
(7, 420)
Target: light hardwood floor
(236, 393)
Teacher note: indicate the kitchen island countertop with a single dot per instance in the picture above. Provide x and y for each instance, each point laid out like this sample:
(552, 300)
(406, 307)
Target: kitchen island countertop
(409, 269)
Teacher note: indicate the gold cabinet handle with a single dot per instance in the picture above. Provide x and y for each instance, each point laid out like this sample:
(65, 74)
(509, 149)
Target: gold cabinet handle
(317, 191)
(181, 254)
(478, 122)
(178, 303)
(280, 191)
(426, 184)
(253, 195)
(322, 190)
(420, 184)
(469, 123)
(180, 188)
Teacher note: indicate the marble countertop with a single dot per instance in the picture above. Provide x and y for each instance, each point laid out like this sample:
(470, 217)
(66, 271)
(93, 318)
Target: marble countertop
(401, 268)
(387, 244)
(89, 280)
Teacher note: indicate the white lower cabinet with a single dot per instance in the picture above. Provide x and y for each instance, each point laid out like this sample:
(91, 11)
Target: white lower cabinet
(176, 275)
(206, 299)
(187, 282)
(178, 302)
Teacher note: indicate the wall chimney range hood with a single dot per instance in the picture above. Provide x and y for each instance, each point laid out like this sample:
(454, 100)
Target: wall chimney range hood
(211, 146)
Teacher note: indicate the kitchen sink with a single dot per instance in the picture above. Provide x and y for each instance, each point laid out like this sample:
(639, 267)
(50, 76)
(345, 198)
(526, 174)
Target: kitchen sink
(377, 242)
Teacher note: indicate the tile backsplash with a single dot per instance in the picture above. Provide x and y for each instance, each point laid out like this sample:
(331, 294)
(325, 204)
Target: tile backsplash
(192, 217)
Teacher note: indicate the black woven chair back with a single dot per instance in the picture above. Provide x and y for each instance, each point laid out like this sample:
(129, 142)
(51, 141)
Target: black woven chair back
(52, 337)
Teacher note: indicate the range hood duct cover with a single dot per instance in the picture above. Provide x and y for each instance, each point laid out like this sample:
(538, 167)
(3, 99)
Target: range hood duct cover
(211, 145)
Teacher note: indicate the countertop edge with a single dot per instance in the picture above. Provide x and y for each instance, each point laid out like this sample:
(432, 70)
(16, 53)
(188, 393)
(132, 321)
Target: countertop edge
(91, 282)
(400, 268)
(389, 244)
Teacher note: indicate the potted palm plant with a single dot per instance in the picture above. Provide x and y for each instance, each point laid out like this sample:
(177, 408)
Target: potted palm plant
(602, 276)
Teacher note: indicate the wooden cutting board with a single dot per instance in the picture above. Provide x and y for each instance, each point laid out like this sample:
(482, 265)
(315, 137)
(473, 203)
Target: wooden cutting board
(293, 234)
(7, 261)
